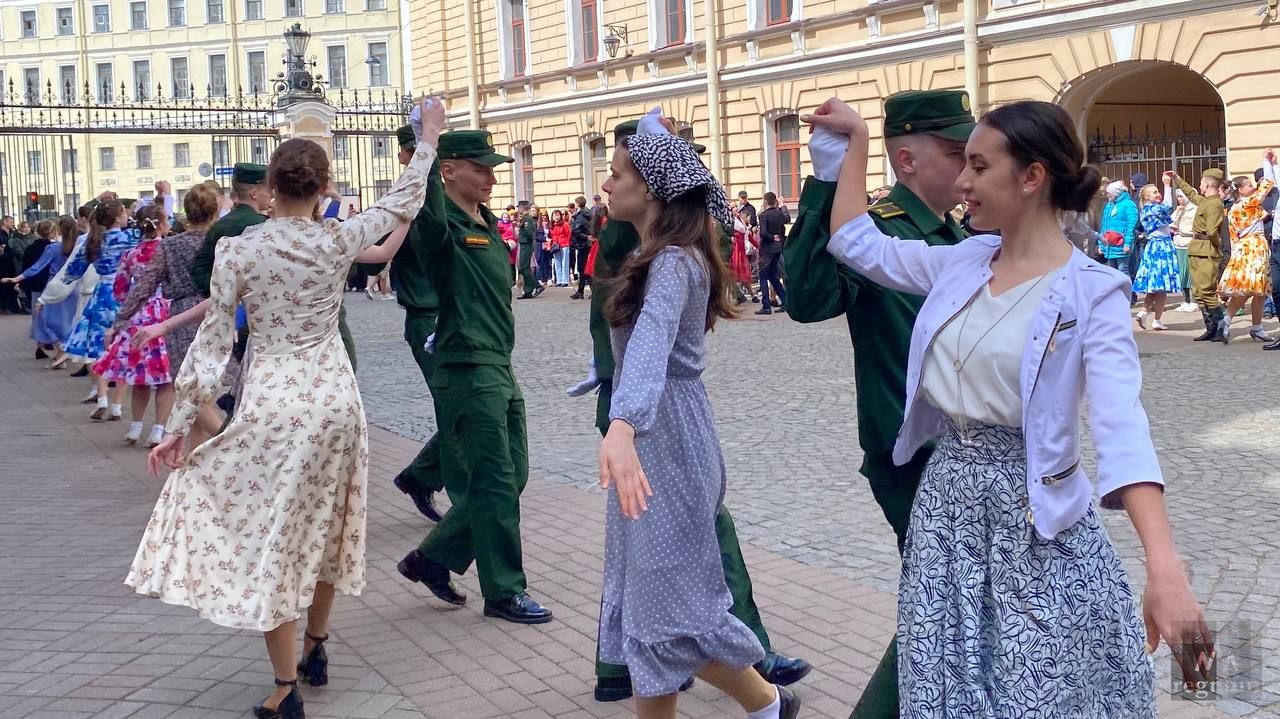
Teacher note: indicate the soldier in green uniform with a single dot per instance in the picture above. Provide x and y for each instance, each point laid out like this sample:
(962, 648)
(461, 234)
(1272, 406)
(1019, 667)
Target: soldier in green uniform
(1205, 252)
(613, 682)
(422, 478)
(925, 134)
(526, 233)
(481, 414)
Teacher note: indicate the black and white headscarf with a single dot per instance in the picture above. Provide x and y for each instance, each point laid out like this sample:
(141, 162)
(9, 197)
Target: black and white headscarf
(671, 168)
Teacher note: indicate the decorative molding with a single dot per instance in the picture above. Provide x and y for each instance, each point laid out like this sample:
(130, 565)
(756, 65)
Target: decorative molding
(753, 50)
(603, 78)
(931, 16)
(797, 42)
(873, 26)
(1122, 42)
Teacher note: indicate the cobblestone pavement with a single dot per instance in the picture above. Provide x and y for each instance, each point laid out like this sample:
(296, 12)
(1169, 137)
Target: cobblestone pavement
(74, 642)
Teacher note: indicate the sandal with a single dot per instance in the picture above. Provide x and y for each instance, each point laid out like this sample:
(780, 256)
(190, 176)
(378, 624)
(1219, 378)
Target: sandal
(289, 708)
(314, 667)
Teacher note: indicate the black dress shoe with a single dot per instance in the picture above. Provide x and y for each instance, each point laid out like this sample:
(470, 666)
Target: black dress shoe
(764, 311)
(82, 372)
(289, 708)
(424, 501)
(526, 296)
(616, 689)
(417, 568)
(790, 704)
(783, 671)
(40, 353)
(520, 609)
(314, 667)
(1273, 346)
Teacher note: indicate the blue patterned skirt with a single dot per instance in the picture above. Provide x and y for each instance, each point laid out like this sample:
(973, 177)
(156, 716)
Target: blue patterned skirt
(87, 342)
(1159, 271)
(994, 621)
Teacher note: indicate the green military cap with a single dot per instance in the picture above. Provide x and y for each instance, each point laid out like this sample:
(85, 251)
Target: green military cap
(625, 129)
(698, 148)
(126, 201)
(249, 173)
(406, 138)
(473, 145)
(1215, 173)
(945, 113)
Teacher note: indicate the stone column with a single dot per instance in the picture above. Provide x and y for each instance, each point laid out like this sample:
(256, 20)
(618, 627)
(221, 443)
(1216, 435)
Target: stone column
(309, 120)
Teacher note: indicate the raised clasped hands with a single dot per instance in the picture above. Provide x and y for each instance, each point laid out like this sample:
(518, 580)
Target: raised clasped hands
(168, 453)
(429, 119)
(620, 468)
(838, 116)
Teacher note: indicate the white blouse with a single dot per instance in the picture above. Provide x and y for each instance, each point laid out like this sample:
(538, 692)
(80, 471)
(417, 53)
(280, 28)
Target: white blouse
(986, 389)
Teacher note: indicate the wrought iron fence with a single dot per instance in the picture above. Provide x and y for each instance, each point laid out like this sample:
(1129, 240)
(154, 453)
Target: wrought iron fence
(1189, 151)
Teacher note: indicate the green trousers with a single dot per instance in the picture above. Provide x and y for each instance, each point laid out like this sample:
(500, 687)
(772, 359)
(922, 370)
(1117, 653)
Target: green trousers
(894, 489)
(484, 455)
(1204, 281)
(735, 568)
(526, 268)
(424, 473)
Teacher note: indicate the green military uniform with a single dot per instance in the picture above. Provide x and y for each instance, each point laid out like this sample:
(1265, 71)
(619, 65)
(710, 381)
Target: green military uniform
(479, 408)
(421, 304)
(1205, 251)
(525, 235)
(880, 323)
(617, 241)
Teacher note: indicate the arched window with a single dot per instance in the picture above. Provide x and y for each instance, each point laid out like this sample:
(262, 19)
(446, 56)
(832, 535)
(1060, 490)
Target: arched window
(786, 157)
(523, 171)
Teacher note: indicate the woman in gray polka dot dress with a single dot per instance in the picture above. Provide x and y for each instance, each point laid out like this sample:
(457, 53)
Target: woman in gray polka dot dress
(665, 609)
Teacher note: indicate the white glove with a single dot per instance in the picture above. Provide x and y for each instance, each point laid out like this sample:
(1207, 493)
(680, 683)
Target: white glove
(586, 385)
(651, 123)
(827, 149)
(430, 344)
(415, 119)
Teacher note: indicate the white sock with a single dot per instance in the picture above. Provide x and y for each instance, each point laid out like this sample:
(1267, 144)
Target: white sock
(135, 429)
(1255, 328)
(102, 401)
(157, 431)
(770, 712)
(115, 410)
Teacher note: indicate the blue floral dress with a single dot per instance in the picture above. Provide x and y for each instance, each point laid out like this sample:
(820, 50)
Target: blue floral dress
(1159, 270)
(87, 340)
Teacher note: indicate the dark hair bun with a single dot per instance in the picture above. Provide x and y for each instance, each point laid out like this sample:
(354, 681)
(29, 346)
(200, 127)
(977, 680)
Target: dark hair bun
(299, 169)
(1077, 194)
(1042, 132)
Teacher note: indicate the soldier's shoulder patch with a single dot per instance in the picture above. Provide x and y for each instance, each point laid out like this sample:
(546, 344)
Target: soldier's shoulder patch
(885, 210)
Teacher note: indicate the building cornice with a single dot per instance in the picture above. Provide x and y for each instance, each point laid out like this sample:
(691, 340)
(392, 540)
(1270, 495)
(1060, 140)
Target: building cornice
(1020, 24)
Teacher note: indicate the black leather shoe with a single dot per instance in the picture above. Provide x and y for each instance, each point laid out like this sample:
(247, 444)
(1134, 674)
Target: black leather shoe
(616, 689)
(783, 671)
(520, 609)
(417, 568)
(40, 354)
(314, 668)
(790, 704)
(1273, 346)
(289, 708)
(424, 501)
(764, 311)
(82, 372)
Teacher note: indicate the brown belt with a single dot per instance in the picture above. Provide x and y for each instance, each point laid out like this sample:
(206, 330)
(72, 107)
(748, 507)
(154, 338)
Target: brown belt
(1203, 236)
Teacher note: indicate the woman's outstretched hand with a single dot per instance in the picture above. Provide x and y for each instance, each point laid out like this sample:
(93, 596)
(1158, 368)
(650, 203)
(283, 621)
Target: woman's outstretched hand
(836, 115)
(620, 467)
(431, 117)
(168, 453)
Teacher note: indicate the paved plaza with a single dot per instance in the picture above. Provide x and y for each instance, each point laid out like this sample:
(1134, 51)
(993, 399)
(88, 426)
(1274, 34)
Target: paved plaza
(74, 642)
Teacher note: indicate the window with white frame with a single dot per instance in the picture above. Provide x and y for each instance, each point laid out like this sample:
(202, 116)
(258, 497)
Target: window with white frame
(144, 157)
(28, 20)
(180, 72)
(214, 13)
(341, 147)
(252, 9)
(585, 30)
(513, 39)
(67, 84)
(66, 21)
(378, 65)
(106, 158)
(375, 5)
(334, 7)
(138, 15)
(177, 13)
(182, 154)
(105, 79)
(257, 72)
(782, 135)
(35, 162)
(218, 75)
(102, 18)
(222, 153)
(763, 13)
(293, 8)
(670, 22)
(142, 79)
(522, 173)
(337, 64)
(31, 89)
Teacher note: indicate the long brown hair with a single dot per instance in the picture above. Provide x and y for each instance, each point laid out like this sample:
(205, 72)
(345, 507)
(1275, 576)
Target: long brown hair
(684, 223)
(149, 219)
(104, 216)
(67, 230)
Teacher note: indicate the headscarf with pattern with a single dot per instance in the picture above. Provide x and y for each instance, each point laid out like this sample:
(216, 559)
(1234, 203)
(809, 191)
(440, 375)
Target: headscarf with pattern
(671, 168)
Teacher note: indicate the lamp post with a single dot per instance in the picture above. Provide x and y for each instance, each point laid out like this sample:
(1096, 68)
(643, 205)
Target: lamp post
(615, 39)
(298, 82)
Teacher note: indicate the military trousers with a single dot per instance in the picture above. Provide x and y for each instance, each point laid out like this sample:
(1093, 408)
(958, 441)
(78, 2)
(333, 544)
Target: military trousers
(526, 268)
(344, 333)
(424, 473)
(735, 567)
(894, 489)
(484, 456)
(1204, 281)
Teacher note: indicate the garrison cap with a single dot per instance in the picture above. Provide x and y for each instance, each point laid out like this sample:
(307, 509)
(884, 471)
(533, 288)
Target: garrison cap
(1214, 172)
(249, 173)
(625, 129)
(944, 113)
(473, 145)
(406, 138)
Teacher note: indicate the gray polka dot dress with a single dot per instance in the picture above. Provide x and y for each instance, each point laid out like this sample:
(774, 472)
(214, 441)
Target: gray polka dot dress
(665, 609)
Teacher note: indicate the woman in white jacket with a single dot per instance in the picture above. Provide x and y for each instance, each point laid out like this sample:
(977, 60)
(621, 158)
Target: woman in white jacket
(1012, 599)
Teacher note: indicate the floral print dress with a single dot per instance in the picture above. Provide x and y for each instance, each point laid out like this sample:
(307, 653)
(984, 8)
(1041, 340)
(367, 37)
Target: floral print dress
(168, 272)
(146, 365)
(1247, 273)
(275, 503)
(87, 341)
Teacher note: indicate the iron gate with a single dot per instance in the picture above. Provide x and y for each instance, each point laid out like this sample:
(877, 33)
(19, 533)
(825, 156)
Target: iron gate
(365, 149)
(1190, 152)
(37, 171)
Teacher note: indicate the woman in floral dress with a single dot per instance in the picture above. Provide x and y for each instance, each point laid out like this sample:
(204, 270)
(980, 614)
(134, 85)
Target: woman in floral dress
(266, 521)
(1248, 275)
(1158, 274)
(142, 366)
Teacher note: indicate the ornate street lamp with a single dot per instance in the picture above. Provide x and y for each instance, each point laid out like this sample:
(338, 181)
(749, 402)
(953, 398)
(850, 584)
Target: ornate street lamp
(616, 38)
(299, 80)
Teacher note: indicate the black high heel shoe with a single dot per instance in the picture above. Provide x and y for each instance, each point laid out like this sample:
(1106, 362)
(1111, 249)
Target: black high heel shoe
(314, 668)
(289, 708)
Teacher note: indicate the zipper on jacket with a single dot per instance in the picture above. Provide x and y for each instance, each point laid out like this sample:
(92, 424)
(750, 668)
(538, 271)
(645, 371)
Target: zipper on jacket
(1043, 355)
(1059, 476)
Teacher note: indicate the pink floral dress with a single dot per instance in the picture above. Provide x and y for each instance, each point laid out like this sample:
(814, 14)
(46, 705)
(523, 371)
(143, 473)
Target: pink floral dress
(125, 362)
